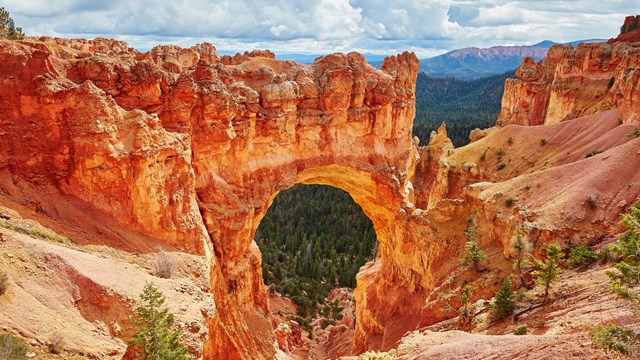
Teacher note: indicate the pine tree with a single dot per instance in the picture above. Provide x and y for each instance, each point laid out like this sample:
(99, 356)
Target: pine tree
(522, 246)
(505, 301)
(474, 255)
(8, 29)
(465, 296)
(628, 251)
(154, 337)
(549, 270)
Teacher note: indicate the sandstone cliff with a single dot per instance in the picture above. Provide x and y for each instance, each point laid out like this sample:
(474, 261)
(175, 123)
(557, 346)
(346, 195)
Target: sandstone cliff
(186, 149)
(571, 83)
(629, 31)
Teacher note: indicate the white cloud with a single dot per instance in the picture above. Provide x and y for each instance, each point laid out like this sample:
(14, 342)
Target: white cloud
(378, 26)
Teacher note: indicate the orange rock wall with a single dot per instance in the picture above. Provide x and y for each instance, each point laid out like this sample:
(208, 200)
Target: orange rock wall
(571, 83)
(186, 149)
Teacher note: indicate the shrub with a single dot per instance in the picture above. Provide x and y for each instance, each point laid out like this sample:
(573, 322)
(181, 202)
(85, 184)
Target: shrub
(164, 265)
(592, 202)
(373, 355)
(154, 336)
(593, 153)
(501, 166)
(611, 82)
(509, 201)
(605, 254)
(510, 140)
(528, 187)
(614, 338)
(635, 133)
(523, 330)
(549, 270)
(581, 255)
(56, 343)
(500, 153)
(522, 247)
(12, 348)
(505, 301)
(446, 309)
(326, 322)
(465, 296)
(543, 142)
(4, 281)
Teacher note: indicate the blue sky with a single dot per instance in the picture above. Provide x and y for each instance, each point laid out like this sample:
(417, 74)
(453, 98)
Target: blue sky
(322, 26)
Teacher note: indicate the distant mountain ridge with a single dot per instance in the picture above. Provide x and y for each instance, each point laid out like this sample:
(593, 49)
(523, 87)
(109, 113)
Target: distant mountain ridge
(473, 63)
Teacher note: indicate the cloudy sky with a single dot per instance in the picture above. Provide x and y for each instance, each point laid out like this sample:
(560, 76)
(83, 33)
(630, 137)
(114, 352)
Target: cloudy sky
(428, 27)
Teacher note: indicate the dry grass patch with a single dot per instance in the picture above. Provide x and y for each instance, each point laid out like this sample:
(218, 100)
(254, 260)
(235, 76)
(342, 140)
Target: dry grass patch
(34, 230)
(56, 343)
(12, 348)
(4, 281)
(164, 265)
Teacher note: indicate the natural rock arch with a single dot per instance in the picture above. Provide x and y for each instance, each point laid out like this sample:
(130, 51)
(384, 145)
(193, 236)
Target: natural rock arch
(185, 148)
(358, 140)
(377, 200)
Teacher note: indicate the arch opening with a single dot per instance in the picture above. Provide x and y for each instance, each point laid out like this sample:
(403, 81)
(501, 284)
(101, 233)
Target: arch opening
(317, 305)
(314, 239)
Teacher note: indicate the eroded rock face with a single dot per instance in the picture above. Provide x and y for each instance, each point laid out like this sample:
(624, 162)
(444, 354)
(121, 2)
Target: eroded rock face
(570, 83)
(630, 30)
(186, 149)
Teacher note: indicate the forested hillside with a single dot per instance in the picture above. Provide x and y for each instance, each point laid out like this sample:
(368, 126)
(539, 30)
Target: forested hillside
(462, 105)
(314, 238)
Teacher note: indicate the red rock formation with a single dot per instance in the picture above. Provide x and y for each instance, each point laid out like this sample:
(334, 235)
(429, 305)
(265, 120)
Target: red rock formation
(186, 149)
(567, 84)
(573, 83)
(630, 30)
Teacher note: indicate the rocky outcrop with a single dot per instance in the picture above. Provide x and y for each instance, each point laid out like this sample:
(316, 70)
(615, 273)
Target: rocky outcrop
(571, 83)
(629, 31)
(186, 149)
(567, 84)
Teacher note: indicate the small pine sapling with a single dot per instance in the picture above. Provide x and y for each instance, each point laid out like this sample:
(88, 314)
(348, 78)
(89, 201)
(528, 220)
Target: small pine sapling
(474, 255)
(505, 301)
(549, 270)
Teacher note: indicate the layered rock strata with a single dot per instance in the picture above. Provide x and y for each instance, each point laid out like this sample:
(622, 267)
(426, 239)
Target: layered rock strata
(570, 83)
(186, 149)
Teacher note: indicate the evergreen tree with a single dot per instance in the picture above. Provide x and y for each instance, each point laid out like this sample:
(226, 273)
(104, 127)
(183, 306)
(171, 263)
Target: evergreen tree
(465, 296)
(474, 255)
(627, 275)
(505, 301)
(522, 247)
(8, 29)
(154, 336)
(549, 270)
